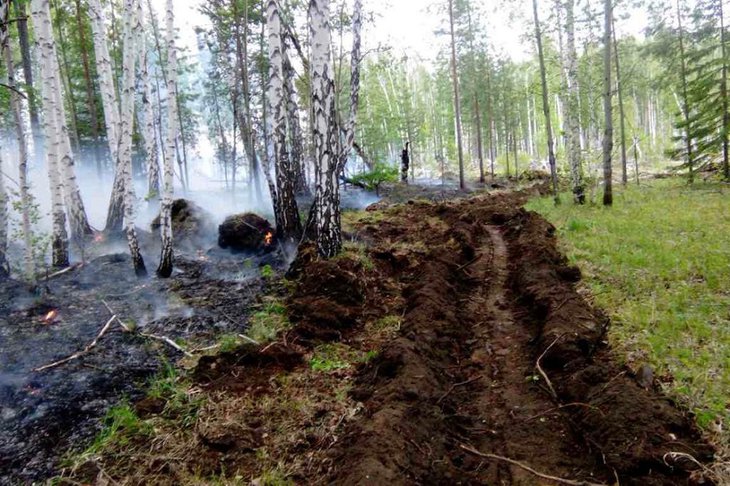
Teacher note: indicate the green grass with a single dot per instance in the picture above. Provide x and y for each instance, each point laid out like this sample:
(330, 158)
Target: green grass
(268, 322)
(658, 262)
(121, 424)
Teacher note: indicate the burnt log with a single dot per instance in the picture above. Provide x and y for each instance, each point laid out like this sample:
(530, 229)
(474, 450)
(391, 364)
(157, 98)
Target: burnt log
(246, 232)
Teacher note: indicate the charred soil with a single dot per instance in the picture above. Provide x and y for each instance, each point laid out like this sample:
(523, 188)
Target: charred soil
(447, 345)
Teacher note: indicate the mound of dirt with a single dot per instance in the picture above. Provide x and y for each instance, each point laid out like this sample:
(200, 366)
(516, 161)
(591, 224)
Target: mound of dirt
(246, 232)
(191, 224)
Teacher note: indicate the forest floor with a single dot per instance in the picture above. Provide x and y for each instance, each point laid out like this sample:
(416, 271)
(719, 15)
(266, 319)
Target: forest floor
(448, 344)
(658, 263)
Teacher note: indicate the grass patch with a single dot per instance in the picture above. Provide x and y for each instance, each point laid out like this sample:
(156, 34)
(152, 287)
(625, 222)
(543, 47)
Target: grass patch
(268, 322)
(121, 425)
(659, 262)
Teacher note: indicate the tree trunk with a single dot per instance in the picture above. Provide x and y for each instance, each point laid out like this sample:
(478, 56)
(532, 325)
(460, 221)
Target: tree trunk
(457, 97)
(607, 107)
(295, 127)
(288, 225)
(148, 129)
(127, 121)
(572, 115)
(622, 117)
(685, 100)
(354, 85)
(324, 131)
(405, 161)
(22, 24)
(66, 83)
(4, 268)
(22, 140)
(105, 72)
(47, 62)
(546, 104)
(164, 270)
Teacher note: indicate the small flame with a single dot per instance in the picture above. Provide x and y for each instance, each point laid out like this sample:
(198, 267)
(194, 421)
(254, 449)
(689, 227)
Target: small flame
(268, 237)
(99, 238)
(202, 257)
(50, 317)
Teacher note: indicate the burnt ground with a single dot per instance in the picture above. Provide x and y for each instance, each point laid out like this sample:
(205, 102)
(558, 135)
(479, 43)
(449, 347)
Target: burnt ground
(447, 345)
(46, 414)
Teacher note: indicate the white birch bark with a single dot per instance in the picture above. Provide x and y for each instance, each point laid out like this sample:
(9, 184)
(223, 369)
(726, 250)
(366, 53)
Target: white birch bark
(105, 72)
(325, 132)
(148, 128)
(287, 217)
(47, 62)
(22, 140)
(572, 113)
(164, 269)
(50, 69)
(354, 83)
(126, 126)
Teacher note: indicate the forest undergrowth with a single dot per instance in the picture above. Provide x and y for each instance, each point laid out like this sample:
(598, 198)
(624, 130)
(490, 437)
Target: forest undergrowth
(657, 262)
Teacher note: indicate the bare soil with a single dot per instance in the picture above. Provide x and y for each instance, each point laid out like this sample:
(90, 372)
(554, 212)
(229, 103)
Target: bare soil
(497, 371)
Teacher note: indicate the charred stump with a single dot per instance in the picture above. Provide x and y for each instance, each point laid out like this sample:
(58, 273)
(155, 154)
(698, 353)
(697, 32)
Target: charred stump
(246, 232)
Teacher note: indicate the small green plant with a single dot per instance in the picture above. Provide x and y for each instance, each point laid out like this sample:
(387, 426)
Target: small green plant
(268, 322)
(380, 174)
(228, 342)
(121, 424)
(267, 272)
(330, 357)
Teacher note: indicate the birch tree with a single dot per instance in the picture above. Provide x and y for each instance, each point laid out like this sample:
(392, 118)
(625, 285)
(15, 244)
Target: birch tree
(125, 143)
(53, 109)
(572, 114)
(47, 61)
(288, 224)
(22, 141)
(164, 269)
(148, 129)
(607, 107)
(324, 132)
(105, 72)
(545, 103)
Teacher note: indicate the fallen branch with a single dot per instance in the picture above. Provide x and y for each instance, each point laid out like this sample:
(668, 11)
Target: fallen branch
(527, 468)
(542, 372)
(84, 351)
(61, 272)
(250, 340)
(164, 339)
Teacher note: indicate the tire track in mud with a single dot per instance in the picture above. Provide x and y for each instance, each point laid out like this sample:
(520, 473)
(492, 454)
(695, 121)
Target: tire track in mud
(491, 296)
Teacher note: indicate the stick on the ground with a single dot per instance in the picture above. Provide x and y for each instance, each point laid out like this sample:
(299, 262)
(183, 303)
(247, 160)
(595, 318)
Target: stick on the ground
(164, 339)
(250, 340)
(453, 387)
(527, 468)
(84, 351)
(61, 272)
(540, 370)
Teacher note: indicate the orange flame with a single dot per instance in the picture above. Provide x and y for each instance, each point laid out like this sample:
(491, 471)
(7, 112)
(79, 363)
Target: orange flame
(50, 317)
(99, 238)
(268, 237)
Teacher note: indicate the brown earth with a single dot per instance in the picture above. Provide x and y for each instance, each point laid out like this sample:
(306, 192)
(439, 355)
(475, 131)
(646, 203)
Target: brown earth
(497, 371)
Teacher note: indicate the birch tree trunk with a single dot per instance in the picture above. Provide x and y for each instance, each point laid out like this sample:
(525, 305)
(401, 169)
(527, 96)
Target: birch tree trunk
(288, 224)
(354, 86)
(295, 127)
(78, 222)
(22, 140)
(457, 97)
(324, 131)
(148, 129)
(47, 62)
(572, 113)
(546, 104)
(164, 269)
(105, 72)
(125, 143)
(607, 107)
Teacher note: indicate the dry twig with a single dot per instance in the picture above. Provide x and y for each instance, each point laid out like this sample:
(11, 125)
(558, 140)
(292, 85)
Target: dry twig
(84, 351)
(453, 387)
(527, 468)
(542, 372)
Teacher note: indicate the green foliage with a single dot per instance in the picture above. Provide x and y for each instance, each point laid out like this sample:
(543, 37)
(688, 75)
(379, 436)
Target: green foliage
(657, 262)
(267, 272)
(268, 322)
(380, 174)
(121, 424)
